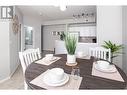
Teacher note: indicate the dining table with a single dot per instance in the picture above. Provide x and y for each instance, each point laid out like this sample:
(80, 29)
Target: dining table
(89, 81)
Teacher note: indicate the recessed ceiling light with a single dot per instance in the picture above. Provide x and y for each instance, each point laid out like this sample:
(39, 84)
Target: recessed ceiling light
(63, 7)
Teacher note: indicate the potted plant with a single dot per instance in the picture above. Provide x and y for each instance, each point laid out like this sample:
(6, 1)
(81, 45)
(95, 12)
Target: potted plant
(70, 43)
(115, 49)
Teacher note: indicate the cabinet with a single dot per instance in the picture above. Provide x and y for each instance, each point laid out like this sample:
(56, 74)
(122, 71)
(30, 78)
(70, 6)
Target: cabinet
(84, 30)
(90, 19)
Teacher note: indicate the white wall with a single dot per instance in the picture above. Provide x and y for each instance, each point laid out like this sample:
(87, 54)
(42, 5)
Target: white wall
(14, 59)
(9, 48)
(4, 49)
(48, 38)
(109, 26)
(36, 24)
(14, 43)
(124, 11)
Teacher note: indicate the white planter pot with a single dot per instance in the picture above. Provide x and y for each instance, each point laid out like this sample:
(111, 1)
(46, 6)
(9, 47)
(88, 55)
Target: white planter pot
(71, 59)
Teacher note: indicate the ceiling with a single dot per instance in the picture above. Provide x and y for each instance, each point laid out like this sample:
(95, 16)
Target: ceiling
(47, 13)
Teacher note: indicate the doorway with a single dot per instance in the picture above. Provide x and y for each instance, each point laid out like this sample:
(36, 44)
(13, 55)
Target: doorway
(28, 37)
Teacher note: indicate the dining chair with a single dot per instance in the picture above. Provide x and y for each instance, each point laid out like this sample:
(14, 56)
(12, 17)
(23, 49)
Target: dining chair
(100, 52)
(27, 57)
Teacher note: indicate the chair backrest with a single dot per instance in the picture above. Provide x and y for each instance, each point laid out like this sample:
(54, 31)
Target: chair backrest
(100, 52)
(28, 56)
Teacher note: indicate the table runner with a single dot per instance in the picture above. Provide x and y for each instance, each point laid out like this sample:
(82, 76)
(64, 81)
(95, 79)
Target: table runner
(72, 84)
(113, 76)
(43, 61)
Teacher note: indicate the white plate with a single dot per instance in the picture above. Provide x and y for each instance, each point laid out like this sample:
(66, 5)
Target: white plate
(54, 58)
(110, 69)
(47, 81)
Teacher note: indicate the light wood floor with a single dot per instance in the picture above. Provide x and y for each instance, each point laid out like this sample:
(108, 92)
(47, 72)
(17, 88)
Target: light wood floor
(15, 82)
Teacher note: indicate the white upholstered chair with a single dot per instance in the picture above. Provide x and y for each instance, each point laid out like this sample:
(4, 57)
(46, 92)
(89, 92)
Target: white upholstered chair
(27, 57)
(100, 52)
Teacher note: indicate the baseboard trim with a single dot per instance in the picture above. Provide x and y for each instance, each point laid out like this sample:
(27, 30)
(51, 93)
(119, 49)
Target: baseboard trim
(11, 74)
(7, 78)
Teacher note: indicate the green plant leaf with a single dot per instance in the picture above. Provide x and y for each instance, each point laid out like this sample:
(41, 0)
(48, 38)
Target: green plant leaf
(70, 43)
(115, 49)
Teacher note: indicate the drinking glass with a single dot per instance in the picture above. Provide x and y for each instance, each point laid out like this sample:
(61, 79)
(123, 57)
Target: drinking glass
(95, 60)
(75, 72)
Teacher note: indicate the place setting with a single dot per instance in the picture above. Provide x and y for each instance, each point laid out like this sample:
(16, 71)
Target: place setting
(103, 68)
(56, 78)
(48, 59)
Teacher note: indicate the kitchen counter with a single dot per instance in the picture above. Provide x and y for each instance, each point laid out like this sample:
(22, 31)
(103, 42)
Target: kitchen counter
(84, 47)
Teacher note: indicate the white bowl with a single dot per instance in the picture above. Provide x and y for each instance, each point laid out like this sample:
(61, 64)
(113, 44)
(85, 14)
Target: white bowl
(110, 69)
(103, 64)
(56, 75)
(49, 56)
(47, 81)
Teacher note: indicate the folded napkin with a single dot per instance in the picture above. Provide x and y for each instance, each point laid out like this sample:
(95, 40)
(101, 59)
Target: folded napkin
(44, 61)
(113, 76)
(71, 84)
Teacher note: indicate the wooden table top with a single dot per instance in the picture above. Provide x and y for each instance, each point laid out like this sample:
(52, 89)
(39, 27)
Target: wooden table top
(85, 65)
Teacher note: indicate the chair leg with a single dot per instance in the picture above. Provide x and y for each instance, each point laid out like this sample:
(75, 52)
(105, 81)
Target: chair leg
(25, 86)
